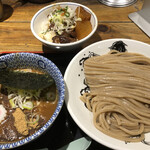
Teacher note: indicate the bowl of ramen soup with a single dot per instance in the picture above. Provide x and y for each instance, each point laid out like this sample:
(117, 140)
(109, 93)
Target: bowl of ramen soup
(31, 97)
(64, 25)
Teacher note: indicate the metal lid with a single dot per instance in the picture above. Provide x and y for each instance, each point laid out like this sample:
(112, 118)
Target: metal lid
(118, 3)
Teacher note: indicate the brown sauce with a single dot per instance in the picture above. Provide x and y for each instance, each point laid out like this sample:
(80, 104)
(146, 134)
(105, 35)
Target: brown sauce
(45, 109)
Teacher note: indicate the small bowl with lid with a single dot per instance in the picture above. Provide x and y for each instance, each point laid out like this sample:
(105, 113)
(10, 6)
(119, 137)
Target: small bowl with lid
(64, 25)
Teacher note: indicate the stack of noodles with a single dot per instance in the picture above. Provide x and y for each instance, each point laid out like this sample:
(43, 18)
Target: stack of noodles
(119, 94)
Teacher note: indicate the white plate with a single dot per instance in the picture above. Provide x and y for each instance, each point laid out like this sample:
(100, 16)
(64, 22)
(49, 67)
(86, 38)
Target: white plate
(74, 77)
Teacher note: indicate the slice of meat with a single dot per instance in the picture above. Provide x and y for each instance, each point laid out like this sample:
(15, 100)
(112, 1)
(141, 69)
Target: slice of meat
(8, 131)
(63, 39)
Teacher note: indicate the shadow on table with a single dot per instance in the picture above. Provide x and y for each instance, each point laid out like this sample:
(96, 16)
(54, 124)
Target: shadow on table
(8, 9)
(58, 50)
(7, 12)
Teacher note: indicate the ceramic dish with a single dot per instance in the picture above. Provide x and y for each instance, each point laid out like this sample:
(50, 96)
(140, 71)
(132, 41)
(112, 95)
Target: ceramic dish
(35, 61)
(74, 79)
(41, 16)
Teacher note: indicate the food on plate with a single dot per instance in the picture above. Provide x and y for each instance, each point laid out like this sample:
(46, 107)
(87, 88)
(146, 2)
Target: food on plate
(25, 111)
(66, 25)
(119, 96)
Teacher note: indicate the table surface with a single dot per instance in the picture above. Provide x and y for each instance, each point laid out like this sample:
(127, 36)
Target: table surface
(16, 36)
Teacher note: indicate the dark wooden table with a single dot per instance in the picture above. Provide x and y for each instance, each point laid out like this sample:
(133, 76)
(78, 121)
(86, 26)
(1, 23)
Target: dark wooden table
(16, 36)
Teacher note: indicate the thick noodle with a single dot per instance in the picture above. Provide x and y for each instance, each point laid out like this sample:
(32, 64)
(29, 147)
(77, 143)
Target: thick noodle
(119, 95)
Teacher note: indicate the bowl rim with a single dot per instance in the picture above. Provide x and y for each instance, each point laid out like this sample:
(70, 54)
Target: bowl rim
(55, 114)
(63, 44)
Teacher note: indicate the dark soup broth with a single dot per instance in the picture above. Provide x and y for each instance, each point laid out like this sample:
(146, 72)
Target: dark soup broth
(23, 112)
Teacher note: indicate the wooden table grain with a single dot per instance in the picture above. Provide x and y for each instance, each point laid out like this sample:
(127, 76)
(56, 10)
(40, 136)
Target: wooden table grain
(16, 36)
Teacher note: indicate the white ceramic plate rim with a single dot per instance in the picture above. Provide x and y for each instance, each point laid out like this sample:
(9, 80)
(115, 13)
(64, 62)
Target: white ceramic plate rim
(76, 113)
(66, 44)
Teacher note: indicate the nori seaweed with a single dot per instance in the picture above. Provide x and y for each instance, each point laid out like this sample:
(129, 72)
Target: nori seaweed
(25, 80)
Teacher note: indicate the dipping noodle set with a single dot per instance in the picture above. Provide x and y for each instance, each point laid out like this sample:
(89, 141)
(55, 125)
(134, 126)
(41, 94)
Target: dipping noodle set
(106, 86)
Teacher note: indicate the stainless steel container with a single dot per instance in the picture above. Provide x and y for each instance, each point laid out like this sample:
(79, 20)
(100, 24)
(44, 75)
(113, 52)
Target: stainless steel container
(118, 3)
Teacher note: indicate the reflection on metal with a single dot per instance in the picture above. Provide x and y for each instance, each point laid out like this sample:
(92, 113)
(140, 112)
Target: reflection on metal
(142, 17)
(118, 3)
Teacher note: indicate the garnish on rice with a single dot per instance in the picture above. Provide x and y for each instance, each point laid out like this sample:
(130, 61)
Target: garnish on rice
(62, 22)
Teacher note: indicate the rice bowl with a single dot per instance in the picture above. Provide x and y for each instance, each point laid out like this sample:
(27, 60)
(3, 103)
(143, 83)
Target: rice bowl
(41, 16)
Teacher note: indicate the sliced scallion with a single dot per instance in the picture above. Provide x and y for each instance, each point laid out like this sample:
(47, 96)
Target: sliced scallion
(27, 105)
(66, 7)
(67, 14)
(12, 103)
(35, 119)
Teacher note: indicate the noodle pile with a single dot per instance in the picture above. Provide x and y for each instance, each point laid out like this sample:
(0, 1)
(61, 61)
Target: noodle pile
(119, 94)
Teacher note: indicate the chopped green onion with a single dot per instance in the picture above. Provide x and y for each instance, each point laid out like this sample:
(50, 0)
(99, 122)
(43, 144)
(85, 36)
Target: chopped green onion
(66, 7)
(34, 120)
(57, 19)
(60, 10)
(12, 103)
(67, 14)
(27, 105)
